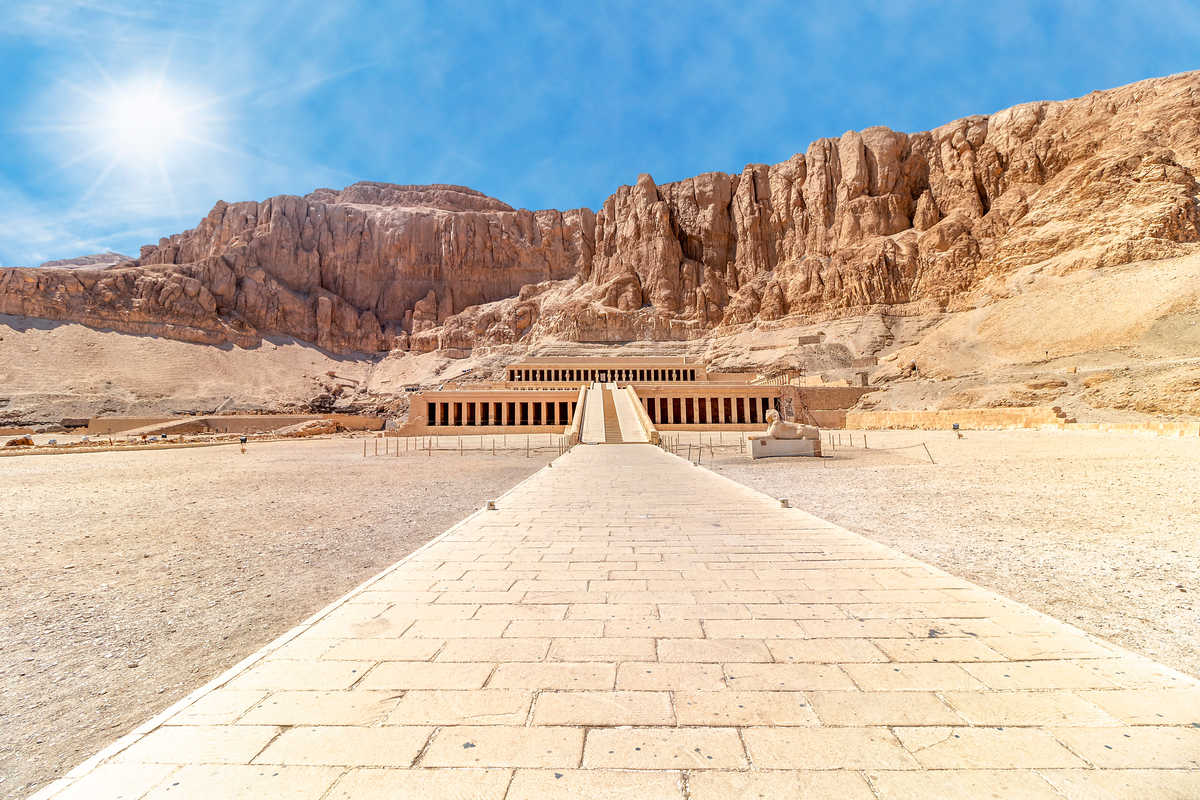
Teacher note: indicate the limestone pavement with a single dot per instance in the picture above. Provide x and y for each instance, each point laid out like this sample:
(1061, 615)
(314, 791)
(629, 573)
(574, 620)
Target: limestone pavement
(628, 625)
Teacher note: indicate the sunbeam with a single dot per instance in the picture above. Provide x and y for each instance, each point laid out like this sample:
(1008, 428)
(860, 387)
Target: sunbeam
(136, 134)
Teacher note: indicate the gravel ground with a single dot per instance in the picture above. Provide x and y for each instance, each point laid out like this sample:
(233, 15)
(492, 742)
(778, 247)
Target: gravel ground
(1099, 530)
(132, 578)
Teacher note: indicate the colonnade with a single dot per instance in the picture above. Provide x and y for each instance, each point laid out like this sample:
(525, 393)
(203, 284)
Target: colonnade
(589, 374)
(474, 413)
(707, 410)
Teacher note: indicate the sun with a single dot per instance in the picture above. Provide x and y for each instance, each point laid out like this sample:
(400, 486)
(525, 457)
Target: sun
(147, 123)
(138, 136)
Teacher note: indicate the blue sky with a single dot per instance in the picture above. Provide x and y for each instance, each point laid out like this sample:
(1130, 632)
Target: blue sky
(122, 121)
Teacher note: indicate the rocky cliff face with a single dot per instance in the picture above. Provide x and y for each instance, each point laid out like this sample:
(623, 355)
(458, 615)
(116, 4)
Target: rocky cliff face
(355, 270)
(877, 218)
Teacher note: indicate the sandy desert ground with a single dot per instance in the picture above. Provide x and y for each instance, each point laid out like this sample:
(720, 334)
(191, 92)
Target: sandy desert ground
(1099, 530)
(132, 578)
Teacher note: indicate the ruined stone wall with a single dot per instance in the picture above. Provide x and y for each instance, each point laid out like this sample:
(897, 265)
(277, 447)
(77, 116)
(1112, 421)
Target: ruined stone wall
(966, 418)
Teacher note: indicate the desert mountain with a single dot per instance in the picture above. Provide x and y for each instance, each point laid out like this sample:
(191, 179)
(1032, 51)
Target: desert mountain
(896, 233)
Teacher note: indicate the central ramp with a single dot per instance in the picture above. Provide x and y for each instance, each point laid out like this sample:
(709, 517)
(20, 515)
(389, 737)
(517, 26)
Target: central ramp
(612, 425)
(627, 625)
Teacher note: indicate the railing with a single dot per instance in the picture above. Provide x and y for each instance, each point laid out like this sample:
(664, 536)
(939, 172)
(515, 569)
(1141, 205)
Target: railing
(573, 432)
(643, 418)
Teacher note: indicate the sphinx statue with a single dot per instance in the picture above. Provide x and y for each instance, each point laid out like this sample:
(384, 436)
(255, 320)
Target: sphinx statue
(785, 439)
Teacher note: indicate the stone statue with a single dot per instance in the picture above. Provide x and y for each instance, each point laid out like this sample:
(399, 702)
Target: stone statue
(785, 439)
(778, 429)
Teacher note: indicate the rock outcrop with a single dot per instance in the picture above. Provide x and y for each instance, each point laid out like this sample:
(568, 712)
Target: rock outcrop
(912, 222)
(355, 270)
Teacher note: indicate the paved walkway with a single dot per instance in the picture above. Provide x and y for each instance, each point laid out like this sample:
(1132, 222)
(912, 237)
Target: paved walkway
(627, 625)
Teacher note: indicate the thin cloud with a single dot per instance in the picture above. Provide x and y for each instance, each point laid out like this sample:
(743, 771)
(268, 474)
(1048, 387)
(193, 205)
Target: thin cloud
(540, 104)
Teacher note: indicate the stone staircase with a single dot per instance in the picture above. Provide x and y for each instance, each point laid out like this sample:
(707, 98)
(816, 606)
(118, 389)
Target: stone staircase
(612, 424)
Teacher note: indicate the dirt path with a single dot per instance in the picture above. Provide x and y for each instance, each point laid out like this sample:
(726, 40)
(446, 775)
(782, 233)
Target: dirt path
(131, 578)
(1102, 531)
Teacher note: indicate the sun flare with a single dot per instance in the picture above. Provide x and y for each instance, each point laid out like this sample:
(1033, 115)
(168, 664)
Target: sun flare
(147, 123)
(140, 135)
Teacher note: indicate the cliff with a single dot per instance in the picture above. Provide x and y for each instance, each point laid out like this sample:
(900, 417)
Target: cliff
(873, 220)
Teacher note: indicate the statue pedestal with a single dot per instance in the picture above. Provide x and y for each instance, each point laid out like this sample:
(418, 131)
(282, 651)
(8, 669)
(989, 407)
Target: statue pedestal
(768, 448)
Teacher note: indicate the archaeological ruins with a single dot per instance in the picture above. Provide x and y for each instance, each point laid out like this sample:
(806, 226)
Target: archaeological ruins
(543, 395)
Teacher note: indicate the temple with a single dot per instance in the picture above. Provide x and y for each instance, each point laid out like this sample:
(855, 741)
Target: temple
(546, 395)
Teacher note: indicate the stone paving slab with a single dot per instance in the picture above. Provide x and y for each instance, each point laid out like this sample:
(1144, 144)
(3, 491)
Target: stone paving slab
(627, 625)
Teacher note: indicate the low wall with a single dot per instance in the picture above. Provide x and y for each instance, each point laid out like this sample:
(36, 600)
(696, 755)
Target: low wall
(476, 430)
(828, 417)
(102, 425)
(966, 418)
(1178, 429)
(262, 423)
(244, 423)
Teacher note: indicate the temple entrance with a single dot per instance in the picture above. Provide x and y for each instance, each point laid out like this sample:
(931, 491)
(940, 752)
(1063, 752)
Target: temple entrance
(603, 376)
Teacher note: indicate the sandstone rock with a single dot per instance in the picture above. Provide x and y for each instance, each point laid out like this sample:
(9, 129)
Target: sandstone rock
(312, 427)
(872, 220)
